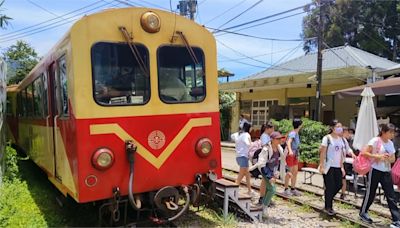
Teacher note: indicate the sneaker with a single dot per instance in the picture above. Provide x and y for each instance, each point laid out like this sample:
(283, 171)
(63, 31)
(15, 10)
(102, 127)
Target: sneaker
(257, 206)
(365, 218)
(296, 193)
(287, 193)
(329, 211)
(395, 224)
(271, 204)
(343, 197)
(253, 194)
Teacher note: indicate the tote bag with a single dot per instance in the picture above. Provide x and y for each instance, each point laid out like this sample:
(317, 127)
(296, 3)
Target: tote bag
(396, 173)
(362, 164)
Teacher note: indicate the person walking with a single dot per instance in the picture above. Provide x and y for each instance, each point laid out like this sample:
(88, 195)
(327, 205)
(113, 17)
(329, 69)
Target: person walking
(292, 158)
(242, 120)
(242, 145)
(348, 152)
(382, 152)
(332, 150)
(270, 159)
(265, 138)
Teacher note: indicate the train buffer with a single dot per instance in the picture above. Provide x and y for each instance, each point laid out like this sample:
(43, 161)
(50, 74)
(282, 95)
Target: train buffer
(234, 200)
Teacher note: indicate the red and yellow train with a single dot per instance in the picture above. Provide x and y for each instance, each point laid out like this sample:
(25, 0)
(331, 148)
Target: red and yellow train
(126, 104)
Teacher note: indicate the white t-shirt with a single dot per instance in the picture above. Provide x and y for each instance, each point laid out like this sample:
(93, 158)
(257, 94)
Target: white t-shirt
(335, 150)
(387, 147)
(242, 145)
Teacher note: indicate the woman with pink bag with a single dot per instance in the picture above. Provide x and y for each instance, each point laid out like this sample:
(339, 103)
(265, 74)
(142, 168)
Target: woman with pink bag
(382, 153)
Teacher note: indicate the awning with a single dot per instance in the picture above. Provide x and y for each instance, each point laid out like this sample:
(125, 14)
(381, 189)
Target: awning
(383, 87)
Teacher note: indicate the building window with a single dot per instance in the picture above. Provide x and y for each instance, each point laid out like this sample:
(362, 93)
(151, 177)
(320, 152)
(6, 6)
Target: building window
(260, 111)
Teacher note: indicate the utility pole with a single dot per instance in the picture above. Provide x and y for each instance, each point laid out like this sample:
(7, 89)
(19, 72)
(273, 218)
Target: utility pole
(318, 101)
(187, 8)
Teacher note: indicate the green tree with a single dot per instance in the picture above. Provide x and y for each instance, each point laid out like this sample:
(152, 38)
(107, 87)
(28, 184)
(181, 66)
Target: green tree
(20, 59)
(226, 101)
(372, 26)
(4, 20)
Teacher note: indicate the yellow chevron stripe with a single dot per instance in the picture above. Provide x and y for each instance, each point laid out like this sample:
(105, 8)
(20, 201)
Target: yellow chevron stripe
(97, 129)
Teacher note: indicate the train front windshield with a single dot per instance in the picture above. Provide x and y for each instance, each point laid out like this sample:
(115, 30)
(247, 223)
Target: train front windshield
(117, 77)
(180, 80)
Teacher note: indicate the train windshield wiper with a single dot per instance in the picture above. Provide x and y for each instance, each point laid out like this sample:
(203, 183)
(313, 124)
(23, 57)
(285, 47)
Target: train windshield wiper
(134, 50)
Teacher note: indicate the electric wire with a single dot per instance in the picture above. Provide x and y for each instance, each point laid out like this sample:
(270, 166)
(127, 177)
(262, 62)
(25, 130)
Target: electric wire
(46, 21)
(258, 37)
(42, 8)
(259, 61)
(261, 55)
(60, 22)
(226, 11)
(267, 17)
(241, 13)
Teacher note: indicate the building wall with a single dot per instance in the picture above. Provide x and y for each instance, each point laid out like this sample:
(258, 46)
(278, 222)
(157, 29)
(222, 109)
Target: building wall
(344, 109)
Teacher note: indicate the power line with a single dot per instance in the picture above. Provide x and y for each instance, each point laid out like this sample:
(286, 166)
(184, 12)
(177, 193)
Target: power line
(42, 8)
(226, 11)
(46, 21)
(269, 64)
(256, 37)
(248, 64)
(241, 13)
(58, 23)
(267, 17)
(254, 56)
(267, 22)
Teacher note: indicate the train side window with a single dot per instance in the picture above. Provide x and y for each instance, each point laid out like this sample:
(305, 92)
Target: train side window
(180, 80)
(29, 100)
(117, 77)
(45, 94)
(62, 87)
(38, 97)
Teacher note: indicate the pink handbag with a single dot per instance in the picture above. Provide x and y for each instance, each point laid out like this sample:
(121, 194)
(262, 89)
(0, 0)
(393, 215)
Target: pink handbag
(396, 172)
(362, 164)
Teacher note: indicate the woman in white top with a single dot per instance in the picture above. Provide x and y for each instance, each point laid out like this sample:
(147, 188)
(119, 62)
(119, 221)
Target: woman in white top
(381, 151)
(243, 143)
(331, 163)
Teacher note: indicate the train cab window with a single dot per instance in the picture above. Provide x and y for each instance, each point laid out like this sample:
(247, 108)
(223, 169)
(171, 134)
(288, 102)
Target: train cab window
(180, 80)
(62, 88)
(117, 77)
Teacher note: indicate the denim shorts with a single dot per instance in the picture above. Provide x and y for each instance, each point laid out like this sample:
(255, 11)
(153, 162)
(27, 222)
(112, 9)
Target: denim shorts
(243, 162)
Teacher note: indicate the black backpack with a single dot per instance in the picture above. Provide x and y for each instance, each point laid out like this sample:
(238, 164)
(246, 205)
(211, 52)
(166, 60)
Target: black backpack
(255, 172)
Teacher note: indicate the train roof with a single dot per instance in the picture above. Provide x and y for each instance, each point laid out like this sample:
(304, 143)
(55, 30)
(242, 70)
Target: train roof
(50, 55)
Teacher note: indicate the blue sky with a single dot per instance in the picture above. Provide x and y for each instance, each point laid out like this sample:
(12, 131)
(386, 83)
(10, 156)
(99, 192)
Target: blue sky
(211, 13)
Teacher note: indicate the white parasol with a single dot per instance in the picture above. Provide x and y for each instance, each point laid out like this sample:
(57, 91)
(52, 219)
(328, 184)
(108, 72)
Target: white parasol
(367, 125)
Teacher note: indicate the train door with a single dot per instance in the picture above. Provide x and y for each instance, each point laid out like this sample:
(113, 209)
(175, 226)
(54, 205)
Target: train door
(52, 113)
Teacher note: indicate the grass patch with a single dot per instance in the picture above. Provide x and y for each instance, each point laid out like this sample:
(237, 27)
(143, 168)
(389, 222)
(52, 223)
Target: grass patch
(206, 218)
(305, 209)
(345, 206)
(348, 224)
(28, 199)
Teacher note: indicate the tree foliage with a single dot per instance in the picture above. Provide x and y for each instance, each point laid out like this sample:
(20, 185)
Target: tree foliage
(20, 59)
(370, 25)
(4, 20)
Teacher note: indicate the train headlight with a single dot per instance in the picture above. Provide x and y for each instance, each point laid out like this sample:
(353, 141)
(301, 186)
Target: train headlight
(204, 147)
(103, 159)
(150, 22)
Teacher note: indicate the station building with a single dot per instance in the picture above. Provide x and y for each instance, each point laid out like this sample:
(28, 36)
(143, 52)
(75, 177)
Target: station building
(288, 90)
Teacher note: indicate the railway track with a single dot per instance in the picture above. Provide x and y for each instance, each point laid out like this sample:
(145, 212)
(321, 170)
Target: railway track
(345, 211)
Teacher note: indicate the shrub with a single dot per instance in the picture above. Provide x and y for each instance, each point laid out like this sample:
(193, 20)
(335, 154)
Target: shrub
(11, 171)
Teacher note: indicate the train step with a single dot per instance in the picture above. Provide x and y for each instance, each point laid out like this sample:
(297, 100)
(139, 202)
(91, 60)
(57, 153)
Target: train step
(230, 193)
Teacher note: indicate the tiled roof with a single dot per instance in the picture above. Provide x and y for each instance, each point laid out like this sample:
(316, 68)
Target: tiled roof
(334, 58)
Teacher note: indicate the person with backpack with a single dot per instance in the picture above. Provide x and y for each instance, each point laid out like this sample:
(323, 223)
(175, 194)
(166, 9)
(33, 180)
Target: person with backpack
(266, 131)
(292, 158)
(242, 145)
(270, 159)
(381, 151)
(332, 150)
